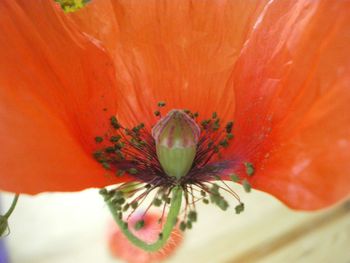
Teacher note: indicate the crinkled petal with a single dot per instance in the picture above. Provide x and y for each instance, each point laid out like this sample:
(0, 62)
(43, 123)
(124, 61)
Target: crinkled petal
(181, 52)
(54, 86)
(293, 102)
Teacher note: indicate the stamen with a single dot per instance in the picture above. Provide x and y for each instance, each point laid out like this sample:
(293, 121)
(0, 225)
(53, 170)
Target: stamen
(247, 187)
(161, 104)
(234, 178)
(239, 208)
(192, 215)
(135, 152)
(249, 168)
(98, 139)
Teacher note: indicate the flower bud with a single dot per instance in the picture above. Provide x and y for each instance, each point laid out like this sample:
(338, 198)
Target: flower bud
(176, 136)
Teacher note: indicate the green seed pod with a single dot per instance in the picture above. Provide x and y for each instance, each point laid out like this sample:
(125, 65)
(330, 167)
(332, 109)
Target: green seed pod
(176, 137)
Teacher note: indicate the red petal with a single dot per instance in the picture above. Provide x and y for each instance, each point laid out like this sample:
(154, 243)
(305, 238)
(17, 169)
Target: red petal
(54, 85)
(293, 102)
(180, 52)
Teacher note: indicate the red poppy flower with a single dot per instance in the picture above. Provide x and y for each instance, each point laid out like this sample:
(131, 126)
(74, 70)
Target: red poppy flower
(279, 69)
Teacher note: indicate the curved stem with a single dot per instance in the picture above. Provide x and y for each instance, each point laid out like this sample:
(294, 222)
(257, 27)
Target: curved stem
(12, 207)
(168, 226)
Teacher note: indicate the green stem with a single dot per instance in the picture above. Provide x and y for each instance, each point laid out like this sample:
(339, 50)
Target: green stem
(168, 227)
(12, 207)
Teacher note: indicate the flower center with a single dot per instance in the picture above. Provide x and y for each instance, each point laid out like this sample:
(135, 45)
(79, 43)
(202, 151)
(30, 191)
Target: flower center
(177, 150)
(178, 153)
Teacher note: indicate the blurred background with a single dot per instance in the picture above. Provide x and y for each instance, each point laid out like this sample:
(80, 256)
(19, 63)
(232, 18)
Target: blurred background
(73, 227)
